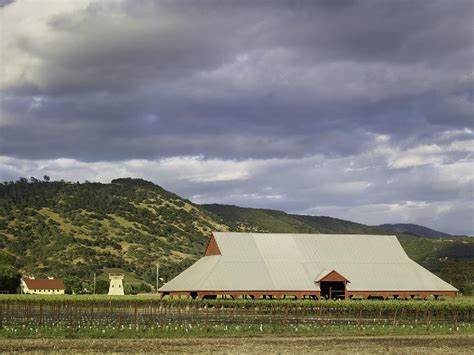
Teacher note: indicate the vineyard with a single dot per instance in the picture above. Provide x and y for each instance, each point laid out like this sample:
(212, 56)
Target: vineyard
(31, 316)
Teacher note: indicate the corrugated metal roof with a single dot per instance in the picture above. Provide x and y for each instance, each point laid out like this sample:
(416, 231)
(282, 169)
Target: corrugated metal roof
(269, 261)
(194, 277)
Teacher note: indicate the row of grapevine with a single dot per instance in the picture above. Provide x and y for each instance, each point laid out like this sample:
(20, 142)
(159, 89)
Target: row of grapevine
(78, 312)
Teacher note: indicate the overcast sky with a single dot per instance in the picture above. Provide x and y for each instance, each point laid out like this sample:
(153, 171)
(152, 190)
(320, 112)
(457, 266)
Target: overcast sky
(361, 110)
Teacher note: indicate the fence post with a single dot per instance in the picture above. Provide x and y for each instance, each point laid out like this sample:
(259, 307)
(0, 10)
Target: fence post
(395, 317)
(41, 314)
(160, 312)
(272, 320)
(136, 315)
(286, 317)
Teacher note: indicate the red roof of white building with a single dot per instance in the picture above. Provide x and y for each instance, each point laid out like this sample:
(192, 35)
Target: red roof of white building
(44, 284)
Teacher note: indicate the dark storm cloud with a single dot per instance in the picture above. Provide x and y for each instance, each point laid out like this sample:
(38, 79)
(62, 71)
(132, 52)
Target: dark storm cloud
(381, 88)
(150, 70)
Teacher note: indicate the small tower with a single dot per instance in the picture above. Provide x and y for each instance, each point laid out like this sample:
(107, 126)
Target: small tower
(116, 283)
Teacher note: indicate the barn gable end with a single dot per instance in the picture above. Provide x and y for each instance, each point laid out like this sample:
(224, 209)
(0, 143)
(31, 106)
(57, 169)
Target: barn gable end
(212, 247)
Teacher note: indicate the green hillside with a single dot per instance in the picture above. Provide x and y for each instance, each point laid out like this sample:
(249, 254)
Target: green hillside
(265, 220)
(74, 230)
(68, 229)
(414, 229)
(258, 220)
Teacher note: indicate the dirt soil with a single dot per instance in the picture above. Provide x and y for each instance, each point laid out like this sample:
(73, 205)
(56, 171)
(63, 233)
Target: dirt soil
(430, 344)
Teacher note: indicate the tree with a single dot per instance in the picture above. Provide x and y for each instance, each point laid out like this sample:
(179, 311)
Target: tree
(9, 279)
(46, 178)
(73, 285)
(101, 287)
(144, 288)
(6, 259)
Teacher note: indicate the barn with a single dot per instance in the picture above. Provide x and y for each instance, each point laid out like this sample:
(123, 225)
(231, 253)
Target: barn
(269, 265)
(49, 286)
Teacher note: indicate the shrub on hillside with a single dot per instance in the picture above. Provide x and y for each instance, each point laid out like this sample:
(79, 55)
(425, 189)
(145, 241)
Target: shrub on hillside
(9, 279)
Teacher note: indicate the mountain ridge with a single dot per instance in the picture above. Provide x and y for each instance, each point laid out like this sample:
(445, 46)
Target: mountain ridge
(415, 229)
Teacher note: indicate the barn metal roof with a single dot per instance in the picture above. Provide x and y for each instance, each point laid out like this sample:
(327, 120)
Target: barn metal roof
(292, 262)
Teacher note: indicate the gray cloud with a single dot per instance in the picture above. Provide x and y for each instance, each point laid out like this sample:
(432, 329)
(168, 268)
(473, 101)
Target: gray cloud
(4, 3)
(115, 81)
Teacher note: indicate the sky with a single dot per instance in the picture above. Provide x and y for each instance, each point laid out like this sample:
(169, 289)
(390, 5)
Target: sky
(361, 110)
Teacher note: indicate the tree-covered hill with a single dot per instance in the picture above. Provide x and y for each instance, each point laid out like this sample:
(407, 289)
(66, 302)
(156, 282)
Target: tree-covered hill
(414, 229)
(74, 230)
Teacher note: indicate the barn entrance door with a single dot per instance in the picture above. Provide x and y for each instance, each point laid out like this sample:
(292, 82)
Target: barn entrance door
(332, 285)
(332, 289)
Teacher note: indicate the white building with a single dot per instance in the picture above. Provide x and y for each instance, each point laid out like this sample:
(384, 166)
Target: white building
(116, 284)
(49, 286)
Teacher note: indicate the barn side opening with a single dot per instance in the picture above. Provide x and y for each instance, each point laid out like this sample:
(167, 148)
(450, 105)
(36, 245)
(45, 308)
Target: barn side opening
(333, 289)
(332, 284)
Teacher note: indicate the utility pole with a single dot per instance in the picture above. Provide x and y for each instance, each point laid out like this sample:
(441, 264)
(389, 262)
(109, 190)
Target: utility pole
(157, 275)
(94, 283)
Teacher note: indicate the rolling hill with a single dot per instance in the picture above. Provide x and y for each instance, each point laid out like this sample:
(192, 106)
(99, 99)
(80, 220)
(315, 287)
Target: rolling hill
(63, 229)
(75, 229)
(414, 229)
(265, 220)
